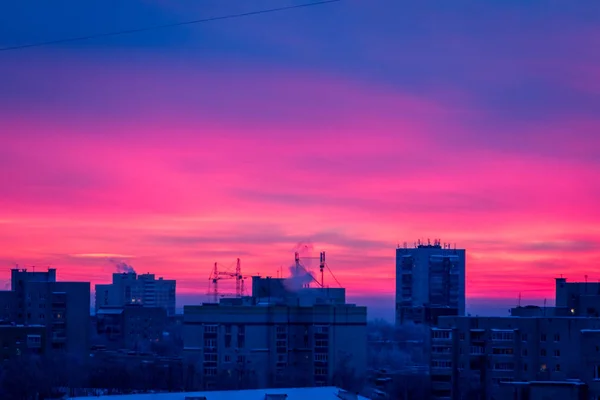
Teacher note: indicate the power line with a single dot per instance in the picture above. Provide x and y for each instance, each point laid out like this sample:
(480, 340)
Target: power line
(176, 24)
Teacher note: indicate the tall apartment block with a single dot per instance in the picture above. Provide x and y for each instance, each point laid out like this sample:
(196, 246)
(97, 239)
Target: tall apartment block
(277, 338)
(430, 282)
(130, 288)
(63, 308)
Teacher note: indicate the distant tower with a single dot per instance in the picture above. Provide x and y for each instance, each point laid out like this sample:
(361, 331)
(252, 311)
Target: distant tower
(430, 282)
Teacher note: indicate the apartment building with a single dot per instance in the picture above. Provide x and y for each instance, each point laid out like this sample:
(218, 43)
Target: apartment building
(277, 343)
(132, 327)
(131, 288)
(63, 308)
(430, 282)
(476, 356)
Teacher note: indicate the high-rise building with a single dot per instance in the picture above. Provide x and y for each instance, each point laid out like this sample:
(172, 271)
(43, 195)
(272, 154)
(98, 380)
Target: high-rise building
(430, 282)
(277, 338)
(63, 308)
(130, 288)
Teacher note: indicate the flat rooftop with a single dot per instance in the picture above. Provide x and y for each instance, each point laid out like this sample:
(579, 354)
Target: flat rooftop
(320, 393)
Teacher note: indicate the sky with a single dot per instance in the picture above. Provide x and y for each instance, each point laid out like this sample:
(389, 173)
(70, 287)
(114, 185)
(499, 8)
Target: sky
(352, 126)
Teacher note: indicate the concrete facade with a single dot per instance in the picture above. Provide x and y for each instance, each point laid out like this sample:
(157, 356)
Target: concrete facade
(130, 288)
(472, 356)
(430, 282)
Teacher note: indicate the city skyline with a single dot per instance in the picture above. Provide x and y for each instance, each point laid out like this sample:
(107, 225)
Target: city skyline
(174, 149)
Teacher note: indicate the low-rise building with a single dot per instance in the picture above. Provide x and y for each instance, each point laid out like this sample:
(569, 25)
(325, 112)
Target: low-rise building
(20, 340)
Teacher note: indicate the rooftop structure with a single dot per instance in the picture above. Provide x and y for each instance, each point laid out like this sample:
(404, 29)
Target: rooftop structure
(321, 393)
(430, 282)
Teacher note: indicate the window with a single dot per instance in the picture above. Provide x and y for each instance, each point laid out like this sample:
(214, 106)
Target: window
(524, 367)
(504, 366)
(524, 337)
(241, 359)
(320, 371)
(557, 353)
(321, 329)
(321, 357)
(210, 371)
(477, 350)
(437, 334)
(210, 358)
(211, 343)
(321, 343)
(281, 358)
(596, 372)
(281, 329)
(557, 337)
(503, 336)
(557, 368)
(444, 364)
(524, 352)
(461, 336)
(227, 358)
(210, 328)
(228, 329)
(543, 352)
(502, 350)
(543, 337)
(441, 350)
(281, 343)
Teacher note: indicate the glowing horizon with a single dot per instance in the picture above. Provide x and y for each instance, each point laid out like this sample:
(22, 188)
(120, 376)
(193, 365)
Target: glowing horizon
(171, 151)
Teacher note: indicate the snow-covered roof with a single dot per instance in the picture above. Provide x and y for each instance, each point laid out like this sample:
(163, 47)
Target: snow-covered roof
(321, 393)
(109, 311)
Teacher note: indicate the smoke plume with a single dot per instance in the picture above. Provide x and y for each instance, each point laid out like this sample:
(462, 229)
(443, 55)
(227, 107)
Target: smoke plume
(122, 266)
(299, 277)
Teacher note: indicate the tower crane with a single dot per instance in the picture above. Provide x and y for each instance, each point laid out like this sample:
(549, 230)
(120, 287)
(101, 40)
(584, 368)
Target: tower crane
(216, 276)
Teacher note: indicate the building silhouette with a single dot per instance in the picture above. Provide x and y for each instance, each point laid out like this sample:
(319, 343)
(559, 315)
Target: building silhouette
(62, 308)
(131, 288)
(430, 282)
(277, 338)
(533, 352)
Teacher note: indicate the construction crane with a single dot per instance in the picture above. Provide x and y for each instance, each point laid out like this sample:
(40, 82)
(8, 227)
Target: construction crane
(216, 276)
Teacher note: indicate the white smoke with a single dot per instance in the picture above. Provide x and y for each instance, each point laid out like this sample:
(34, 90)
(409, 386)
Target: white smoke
(122, 266)
(299, 277)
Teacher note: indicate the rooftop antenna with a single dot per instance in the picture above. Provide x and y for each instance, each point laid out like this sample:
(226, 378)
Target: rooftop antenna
(297, 261)
(585, 277)
(322, 267)
(519, 303)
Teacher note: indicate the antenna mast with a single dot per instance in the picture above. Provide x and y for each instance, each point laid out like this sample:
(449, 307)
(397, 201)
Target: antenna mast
(322, 267)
